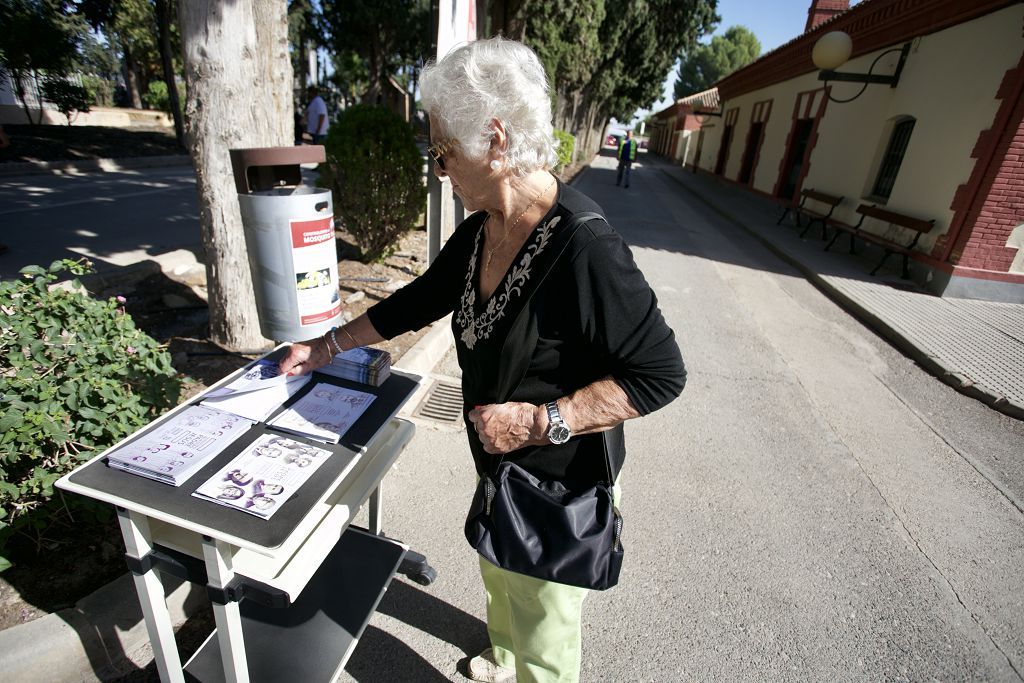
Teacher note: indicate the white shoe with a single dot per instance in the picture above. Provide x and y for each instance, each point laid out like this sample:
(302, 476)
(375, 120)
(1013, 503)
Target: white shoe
(484, 668)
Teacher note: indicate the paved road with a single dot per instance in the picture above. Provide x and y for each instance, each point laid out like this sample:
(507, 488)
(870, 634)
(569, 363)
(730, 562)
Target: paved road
(113, 218)
(803, 513)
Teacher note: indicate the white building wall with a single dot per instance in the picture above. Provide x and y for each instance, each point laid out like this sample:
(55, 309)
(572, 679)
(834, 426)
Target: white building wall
(948, 85)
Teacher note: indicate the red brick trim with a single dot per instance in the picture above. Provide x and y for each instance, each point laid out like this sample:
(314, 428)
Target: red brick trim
(989, 205)
(802, 109)
(759, 114)
(873, 25)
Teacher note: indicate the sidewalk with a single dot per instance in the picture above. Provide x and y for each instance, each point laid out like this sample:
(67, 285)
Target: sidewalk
(17, 169)
(977, 347)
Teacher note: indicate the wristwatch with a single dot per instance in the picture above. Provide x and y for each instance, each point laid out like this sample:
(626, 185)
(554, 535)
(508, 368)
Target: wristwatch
(558, 431)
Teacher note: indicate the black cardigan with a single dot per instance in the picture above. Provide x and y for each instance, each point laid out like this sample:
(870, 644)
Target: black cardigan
(570, 310)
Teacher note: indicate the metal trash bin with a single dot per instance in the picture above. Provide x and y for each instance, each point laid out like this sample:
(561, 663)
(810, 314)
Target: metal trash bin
(289, 235)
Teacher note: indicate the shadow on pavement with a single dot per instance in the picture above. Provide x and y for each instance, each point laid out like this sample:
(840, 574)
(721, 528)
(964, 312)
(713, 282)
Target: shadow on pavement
(654, 212)
(381, 656)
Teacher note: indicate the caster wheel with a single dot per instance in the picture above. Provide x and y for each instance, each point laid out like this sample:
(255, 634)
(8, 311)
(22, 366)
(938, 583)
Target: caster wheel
(424, 577)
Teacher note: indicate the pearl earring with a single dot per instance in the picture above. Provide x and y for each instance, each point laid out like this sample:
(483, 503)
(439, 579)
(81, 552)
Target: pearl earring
(495, 164)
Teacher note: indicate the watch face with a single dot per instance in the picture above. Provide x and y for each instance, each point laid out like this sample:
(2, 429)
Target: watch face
(559, 434)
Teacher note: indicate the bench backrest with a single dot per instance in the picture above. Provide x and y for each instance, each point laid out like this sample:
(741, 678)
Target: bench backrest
(902, 220)
(829, 199)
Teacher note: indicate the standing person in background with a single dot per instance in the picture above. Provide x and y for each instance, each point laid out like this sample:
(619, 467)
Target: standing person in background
(627, 154)
(316, 115)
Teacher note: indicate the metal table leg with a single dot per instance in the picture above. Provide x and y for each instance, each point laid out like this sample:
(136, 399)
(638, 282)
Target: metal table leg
(229, 622)
(376, 512)
(135, 530)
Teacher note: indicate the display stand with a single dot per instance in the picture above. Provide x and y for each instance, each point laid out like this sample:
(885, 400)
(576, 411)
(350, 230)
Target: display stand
(291, 594)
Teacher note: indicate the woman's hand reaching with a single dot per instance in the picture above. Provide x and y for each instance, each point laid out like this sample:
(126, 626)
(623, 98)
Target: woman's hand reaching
(505, 427)
(305, 357)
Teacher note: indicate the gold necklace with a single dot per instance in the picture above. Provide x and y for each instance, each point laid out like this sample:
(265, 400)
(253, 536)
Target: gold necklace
(490, 252)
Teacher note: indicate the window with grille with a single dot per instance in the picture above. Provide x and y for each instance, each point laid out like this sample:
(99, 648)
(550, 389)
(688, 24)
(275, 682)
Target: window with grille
(893, 159)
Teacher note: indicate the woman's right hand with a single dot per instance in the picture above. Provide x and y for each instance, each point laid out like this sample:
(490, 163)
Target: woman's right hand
(305, 357)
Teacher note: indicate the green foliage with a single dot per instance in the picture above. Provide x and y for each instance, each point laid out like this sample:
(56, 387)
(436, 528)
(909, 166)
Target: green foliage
(76, 376)
(38, 39)
(606, 57)
(69, 97)
(376, 174)
(705, 65)
(566, 148)
(391, 35)
(156, 97)
(100, 90)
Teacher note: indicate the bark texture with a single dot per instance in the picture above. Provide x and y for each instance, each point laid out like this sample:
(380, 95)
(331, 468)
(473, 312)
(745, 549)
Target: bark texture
(238, 76)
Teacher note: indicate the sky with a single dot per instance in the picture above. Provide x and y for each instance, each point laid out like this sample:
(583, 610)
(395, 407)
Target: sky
(774, 22)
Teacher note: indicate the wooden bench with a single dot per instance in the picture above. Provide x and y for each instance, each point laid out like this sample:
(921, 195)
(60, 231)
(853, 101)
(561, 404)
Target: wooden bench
(917, 225)
(814, 216)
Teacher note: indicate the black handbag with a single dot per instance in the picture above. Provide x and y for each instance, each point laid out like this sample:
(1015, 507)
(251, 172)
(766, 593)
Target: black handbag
(551, 530)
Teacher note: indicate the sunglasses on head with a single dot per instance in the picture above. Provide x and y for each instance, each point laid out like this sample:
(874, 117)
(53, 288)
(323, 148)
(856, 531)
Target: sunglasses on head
(439, 149)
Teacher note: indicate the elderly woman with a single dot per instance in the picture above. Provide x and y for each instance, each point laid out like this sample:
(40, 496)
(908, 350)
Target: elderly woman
(559, 343)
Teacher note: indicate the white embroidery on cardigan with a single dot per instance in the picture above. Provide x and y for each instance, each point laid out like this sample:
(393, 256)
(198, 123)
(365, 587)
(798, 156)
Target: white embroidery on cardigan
(475, 328)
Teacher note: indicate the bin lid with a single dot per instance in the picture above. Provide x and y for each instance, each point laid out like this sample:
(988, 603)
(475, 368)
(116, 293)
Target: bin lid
(263, 168)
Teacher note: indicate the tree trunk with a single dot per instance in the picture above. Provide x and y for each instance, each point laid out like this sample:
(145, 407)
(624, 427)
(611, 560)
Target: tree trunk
(238, 76)
(163, 20)
(131, 78)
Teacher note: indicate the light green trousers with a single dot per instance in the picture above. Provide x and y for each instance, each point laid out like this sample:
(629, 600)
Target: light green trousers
(535, 626)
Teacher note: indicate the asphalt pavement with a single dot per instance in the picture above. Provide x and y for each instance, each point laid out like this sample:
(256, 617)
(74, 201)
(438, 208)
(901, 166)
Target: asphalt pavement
(815, 506)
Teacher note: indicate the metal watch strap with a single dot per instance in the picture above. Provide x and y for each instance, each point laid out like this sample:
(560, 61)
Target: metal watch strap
(553, 414)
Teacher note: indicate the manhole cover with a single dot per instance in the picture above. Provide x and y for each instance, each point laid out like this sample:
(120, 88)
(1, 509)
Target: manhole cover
(443, 403)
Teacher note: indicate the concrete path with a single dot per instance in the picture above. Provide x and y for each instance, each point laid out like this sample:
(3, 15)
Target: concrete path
(975, 346)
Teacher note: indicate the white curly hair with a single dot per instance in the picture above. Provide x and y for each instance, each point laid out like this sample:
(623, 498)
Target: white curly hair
(493, 79)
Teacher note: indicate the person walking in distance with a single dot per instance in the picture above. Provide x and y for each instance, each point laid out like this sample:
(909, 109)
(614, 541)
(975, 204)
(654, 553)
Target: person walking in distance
(627, 154)
(316, 115)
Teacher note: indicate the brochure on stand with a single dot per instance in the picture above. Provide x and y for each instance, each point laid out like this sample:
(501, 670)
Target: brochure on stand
(325, 413)
(180, 446)
(363, 364)
(263, 476)
(257, 393)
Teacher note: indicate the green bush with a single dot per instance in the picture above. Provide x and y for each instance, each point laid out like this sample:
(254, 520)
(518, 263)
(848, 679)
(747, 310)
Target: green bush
(76, 376)
(69, 97)
(375, 173)
(156, 96)
(566, 147)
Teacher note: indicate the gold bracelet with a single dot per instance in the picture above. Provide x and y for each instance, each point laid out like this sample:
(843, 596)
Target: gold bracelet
(328, 345)
(345, 330)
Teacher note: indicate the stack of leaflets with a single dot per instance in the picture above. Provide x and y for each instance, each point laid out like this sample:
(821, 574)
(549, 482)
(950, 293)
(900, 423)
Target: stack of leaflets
(179, 447)
(325, 413)
(364, 364)
(263, 476)
(257, 393)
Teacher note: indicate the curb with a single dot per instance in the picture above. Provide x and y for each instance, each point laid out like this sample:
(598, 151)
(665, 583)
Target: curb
(21, 168)
(102, 637)
(930, 363)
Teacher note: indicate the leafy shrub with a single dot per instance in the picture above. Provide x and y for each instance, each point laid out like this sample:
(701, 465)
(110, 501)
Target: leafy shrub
(375, 173)
(76, 376)
(157, 97)
(566, 147)
(69, 97)
(101, 90)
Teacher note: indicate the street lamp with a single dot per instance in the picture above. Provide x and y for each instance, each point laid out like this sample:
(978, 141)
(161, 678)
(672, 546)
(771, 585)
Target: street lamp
(833, 49)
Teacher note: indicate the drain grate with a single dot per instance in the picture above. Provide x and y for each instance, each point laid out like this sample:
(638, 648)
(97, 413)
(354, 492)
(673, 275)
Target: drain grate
(443, 403)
